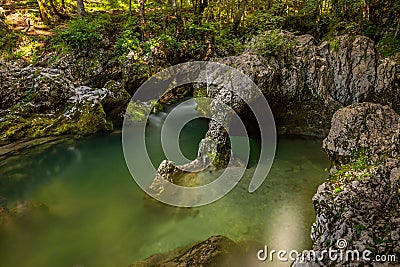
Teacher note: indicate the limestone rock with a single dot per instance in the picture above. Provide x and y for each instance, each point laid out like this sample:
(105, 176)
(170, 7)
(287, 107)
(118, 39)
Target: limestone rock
(360, 202)
(215, 251)
(305, 87)
(89, 68)
(367, 128)
(38, 101)
(115, 102)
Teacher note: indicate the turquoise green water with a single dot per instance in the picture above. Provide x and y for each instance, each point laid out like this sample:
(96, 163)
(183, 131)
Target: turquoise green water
(98, 216)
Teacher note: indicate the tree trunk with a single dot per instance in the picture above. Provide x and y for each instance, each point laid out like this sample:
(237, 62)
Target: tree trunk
(44, 12)
(142, 18)
(202, 5)
(239, 15)
(81, 8)
(55, 10)
(141, 10)
(4, 26)
(174, 7)
(130, 7)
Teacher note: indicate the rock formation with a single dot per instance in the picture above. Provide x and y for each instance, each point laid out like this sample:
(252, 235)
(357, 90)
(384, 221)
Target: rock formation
(307, 85)
(215, 251)
(360, 202)
(38, 101)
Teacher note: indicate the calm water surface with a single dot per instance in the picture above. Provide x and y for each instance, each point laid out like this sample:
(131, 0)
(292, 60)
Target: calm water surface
(98, 216)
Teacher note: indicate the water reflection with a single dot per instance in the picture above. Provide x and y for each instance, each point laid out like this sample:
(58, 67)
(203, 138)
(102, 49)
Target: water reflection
(22, 173)
(99, 217)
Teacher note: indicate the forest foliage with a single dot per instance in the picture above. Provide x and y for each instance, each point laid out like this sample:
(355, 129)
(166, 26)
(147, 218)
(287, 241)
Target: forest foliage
(189, 29)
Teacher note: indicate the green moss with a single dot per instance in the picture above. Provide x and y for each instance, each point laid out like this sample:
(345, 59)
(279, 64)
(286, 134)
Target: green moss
(337, 190)
(157, 106)
(359, 228)
(334, 45)
(139, 112)
(218, 159)
(389, 46)
(136, 112)
(357, 168)
(88, 118)
(200, 92)
(203, 103)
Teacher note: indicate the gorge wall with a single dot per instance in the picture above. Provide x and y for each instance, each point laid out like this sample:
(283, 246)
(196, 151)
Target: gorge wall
(304, 84)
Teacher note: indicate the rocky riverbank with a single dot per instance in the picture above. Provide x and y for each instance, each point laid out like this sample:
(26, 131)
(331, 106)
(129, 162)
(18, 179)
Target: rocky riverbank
(38, 101)
(87, 92)
(310, 82)
(360, 202)
(304, 88)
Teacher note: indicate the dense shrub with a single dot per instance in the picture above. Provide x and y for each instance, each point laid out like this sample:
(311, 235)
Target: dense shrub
(274, 43)
(85, 32)
(389, 45)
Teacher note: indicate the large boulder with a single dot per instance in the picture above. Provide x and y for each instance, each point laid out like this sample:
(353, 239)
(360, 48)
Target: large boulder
(360, 202)
(44, 90)
(38, 101)
(214, 251)
(92, 68)
(366, 129)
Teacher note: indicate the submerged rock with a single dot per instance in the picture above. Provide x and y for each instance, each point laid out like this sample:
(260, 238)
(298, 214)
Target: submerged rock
(23, 212)
(360, 202)
(215, 251)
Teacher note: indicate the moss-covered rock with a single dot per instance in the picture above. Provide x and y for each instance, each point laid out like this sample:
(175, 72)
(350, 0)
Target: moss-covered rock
(136, 112)
(360, 202)
(92, 68)
(115, 102)
(86, 118)
(367, 130)
(82, 119)
(203, 103)
(139, 111)
(37, 102)
(214, 251)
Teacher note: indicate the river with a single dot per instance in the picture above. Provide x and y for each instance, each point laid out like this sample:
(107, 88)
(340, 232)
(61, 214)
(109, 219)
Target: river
(98, 216)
